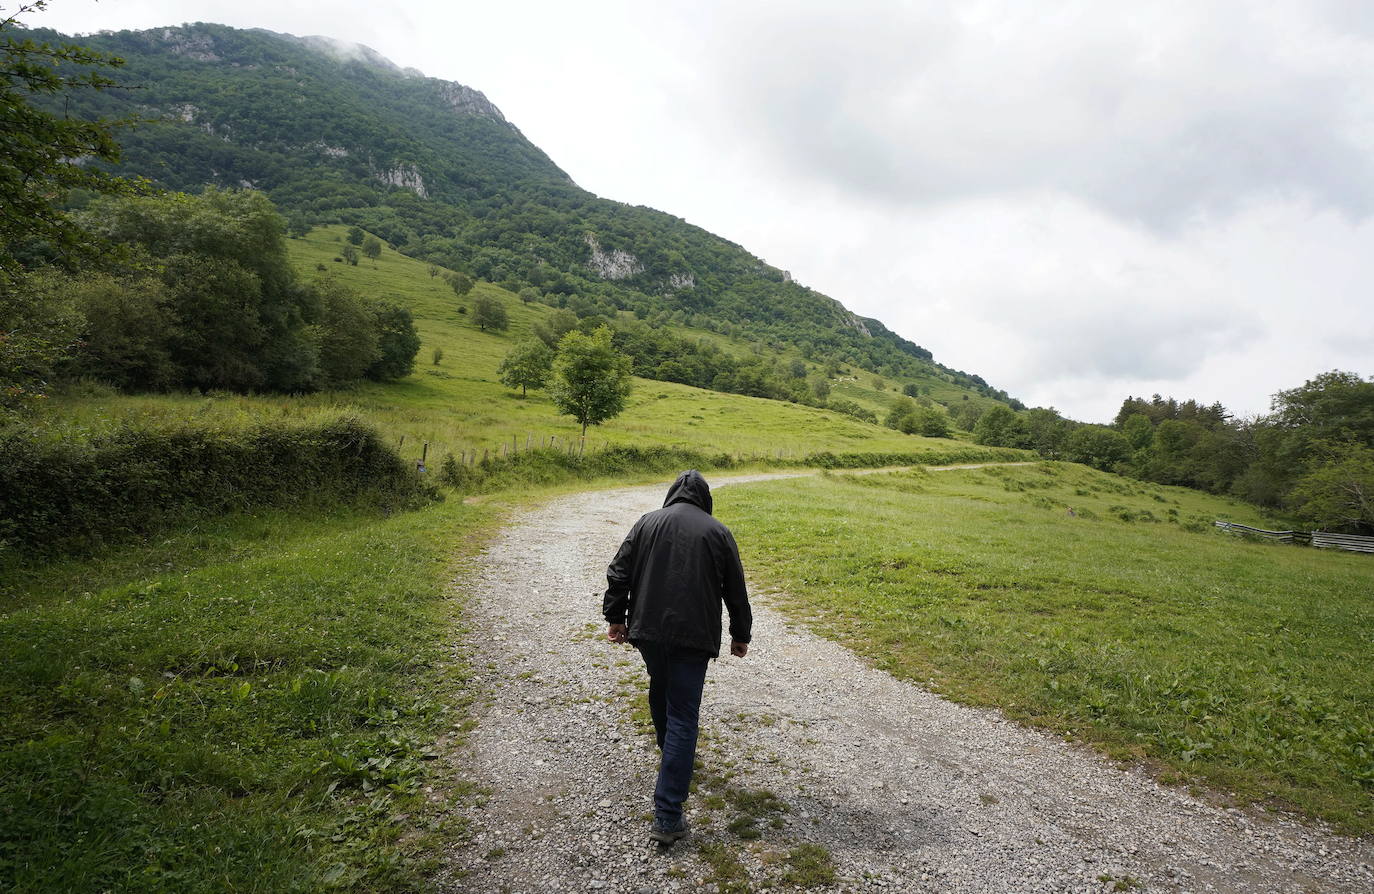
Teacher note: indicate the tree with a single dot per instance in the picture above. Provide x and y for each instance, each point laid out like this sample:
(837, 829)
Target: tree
(820, 388)
(397, 341)
(591, 380)
(932, 422)
(529, 294)
(348, 334)
(461, 283)
(39, 329)
(527, 366)
(1138, 430)
(999, 427)
(902, 416)
(552, 328)
(911, 389)
(356, 235)
(1339, 493)
(489, 313)
(350, 254)
(372, 247)
(1097, 446)
(45, 154)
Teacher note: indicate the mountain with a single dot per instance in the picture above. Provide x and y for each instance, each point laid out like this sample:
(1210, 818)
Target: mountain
(336, 133)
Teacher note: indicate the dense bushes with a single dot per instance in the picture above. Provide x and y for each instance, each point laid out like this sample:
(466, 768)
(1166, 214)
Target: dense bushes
(61, 495)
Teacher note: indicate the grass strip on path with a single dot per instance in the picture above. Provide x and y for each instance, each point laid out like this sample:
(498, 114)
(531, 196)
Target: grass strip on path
(1099, 607)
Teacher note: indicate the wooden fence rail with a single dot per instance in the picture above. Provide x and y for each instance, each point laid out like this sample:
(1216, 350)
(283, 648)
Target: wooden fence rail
(1351, 542)
(1320, 539)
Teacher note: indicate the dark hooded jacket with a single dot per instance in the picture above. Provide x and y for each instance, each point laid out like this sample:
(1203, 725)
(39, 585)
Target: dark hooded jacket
(670, 576)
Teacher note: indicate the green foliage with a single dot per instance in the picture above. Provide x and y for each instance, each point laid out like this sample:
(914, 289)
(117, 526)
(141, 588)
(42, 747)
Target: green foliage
(850, 408)
(1338, 494)
(1097, 446)
(591, 379)
(461, 283)
(128, 327)
(1154, 636)
(348, 343)
(551, 329)
(64, 494)
(999, 426)
(397, 341)
(528, 365)
(490, 313)
(372, 247)
(39, 327)
(356, 235)
(45, 153)
(932, 422)
(349, 254)
(902, 417)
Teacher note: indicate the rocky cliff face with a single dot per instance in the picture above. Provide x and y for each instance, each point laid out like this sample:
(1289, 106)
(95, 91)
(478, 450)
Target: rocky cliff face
(467, 101)
(613, 264)
(406, 177)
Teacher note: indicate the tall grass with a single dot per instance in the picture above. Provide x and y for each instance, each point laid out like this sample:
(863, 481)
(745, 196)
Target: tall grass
(1098, 607)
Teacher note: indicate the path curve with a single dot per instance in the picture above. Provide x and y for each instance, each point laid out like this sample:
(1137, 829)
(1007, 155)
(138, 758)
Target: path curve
(906, 791)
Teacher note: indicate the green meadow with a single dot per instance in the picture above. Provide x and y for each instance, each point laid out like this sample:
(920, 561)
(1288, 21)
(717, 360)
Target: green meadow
(1105, 609)
(459, 406)
(260, 701)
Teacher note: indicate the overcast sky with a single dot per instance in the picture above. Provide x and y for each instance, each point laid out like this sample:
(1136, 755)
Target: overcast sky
(1075, 202)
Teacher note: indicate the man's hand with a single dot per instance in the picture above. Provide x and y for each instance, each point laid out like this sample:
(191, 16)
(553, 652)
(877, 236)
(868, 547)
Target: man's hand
(617, 633)
(738, 649)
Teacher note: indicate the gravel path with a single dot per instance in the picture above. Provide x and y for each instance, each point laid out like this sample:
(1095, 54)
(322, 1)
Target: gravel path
(803, 744)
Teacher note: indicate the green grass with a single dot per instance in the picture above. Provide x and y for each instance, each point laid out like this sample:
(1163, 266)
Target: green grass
(460, 406)
(1128, 622)
(248, 705)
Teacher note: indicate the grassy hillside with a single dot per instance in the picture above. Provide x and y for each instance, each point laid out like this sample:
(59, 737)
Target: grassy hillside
(459, 405)
(1100, 607)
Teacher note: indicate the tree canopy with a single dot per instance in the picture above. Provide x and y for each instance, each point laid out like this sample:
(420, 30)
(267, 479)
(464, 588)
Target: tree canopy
(591, 379)
(44, 154)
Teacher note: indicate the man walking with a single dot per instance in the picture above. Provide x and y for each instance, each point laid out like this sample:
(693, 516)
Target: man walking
(665, 589)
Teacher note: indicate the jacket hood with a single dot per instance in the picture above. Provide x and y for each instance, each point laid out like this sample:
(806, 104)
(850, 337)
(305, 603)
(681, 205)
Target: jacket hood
(690, 487)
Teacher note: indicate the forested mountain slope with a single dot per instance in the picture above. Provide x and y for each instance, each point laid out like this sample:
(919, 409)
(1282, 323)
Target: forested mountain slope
(336, 133)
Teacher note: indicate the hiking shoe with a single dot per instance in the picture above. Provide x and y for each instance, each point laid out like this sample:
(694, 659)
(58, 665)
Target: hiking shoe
(668, 833)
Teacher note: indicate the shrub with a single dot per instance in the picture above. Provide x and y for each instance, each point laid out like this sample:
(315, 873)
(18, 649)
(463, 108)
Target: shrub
(68, 495)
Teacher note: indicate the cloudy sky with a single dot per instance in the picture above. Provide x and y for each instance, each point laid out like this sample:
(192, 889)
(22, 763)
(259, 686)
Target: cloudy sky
(1076, 202)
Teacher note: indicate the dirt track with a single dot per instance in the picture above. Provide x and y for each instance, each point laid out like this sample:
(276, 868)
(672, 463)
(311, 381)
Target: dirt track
(905, 790)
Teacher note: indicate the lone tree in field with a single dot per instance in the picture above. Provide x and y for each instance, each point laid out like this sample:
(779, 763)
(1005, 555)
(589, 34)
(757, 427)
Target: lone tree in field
(372, 247)
(461, 283)
(591, 379)
(527, 366)
(489, 313)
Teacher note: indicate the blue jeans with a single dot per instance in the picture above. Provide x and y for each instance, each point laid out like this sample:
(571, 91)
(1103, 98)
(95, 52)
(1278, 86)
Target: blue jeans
(676, 678)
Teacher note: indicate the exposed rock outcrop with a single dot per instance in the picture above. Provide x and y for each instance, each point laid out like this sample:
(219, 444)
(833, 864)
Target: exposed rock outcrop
(192, 45)
(467, 101)
(613, 264)
(405, 176)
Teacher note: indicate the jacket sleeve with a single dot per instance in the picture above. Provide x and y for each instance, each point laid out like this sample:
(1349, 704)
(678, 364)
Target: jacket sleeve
(619, 579)
(734, 594)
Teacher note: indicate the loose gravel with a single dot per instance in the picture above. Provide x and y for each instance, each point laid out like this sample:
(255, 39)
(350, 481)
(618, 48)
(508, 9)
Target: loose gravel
(903, 790)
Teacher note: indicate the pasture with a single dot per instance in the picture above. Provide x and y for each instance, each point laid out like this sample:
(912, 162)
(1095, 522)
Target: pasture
(1105, 609)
